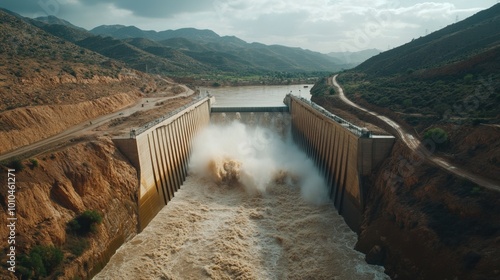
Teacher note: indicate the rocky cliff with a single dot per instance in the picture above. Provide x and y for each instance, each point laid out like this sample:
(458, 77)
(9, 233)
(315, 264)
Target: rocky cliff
(26, 125)
(90, 175)
(420, 222)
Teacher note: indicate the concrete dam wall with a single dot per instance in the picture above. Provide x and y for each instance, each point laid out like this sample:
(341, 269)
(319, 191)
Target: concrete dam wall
(160, 152)
(342, 152)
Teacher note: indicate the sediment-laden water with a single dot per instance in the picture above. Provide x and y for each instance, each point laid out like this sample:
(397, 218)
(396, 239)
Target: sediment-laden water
(254, 207)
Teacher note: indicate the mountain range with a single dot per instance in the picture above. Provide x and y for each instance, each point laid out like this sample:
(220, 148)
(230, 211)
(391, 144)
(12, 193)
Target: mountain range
(353, 59)
(451, 74)
(467, 46)
(190, 51)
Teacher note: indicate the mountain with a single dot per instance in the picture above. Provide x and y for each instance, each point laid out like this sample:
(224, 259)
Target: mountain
(226, 53)
(33, 62)
(51, 20)
(439, 74)
(60, 28)
(447, 81)
(125, 32)
(354, 58)
(474, 40)
(187, 51)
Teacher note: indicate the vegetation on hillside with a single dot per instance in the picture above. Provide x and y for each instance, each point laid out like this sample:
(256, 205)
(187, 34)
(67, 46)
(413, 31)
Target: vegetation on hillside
(39, 262)
(37, 68)
(85, 223)
(468, 99)
(189, 51)
(321, 87)
(443, 87)
(448, 76)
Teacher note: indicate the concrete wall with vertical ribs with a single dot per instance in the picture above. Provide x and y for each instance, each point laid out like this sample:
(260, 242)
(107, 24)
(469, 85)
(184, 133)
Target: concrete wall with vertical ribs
(160, 153)
(344, 154)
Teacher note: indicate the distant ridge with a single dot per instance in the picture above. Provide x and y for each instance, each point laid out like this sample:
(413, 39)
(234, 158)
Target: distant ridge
(354, 58)
(457, 42)
(222, 53)
(55, 20)
(189, 51)
(126, 32)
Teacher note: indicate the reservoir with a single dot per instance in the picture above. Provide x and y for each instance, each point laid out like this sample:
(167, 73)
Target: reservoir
(255, 96)
(253, 207)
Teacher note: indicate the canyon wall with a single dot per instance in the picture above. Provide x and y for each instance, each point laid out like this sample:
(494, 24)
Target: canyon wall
(421, 222)
(26, 125)
(90, 175)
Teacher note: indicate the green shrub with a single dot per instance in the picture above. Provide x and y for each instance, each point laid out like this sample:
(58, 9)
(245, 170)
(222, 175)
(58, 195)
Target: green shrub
(34, 163)
(468, 78)
(437, 135)
(407, 103)
(17, 164)
(85, 223)
(76, 245)
(40, 262)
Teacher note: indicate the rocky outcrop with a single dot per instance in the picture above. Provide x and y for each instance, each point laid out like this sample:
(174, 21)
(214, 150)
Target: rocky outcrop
(90, 175)
(421, 222)
(26, 125)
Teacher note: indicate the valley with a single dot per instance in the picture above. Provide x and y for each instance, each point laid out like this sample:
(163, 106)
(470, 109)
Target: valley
(430, 209)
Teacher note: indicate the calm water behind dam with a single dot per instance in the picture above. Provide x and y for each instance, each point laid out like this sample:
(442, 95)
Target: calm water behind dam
(244, 213)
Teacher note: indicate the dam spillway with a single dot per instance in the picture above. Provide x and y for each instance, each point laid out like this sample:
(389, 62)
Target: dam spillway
(160, 152)
(262, 213)
(343, 153)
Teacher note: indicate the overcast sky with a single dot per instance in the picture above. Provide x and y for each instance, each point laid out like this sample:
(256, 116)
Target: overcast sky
(319, 25)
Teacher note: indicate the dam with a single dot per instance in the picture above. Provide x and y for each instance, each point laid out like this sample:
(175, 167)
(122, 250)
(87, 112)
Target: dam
(344, 153)
(286, 177)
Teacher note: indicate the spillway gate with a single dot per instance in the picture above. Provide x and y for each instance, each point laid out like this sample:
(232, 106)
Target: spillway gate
(344, 153)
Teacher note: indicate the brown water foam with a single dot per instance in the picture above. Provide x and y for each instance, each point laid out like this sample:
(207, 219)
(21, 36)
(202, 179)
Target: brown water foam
(211, 231)
(254, 207)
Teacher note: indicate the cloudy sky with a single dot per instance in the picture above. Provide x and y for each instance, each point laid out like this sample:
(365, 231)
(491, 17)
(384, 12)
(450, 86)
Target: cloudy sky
(319, 25)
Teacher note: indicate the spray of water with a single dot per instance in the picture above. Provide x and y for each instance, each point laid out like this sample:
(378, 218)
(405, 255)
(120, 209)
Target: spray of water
(255, 157)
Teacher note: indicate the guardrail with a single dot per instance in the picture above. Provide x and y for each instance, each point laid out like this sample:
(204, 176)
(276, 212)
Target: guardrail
(359, 131)
(137, 131)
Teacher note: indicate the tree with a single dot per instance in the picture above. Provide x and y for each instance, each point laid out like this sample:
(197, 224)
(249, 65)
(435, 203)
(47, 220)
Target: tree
(40, 262)
(85, 223)
(438, 136)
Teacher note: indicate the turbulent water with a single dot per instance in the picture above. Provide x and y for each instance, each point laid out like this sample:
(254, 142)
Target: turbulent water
(253, 207)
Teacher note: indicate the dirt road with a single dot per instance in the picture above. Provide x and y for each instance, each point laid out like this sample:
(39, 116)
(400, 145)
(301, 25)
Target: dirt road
(144, 104)
(414, 144)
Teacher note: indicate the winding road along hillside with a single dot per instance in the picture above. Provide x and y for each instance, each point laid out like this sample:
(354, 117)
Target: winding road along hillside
(144, 104)
(415, 145)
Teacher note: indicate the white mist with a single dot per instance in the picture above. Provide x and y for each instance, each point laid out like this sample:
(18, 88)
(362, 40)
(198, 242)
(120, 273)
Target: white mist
(255, 157)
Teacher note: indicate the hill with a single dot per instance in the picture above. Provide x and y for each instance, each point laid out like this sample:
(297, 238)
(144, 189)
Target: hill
(28, 55)
(48, 84)
(463, 41)
(190, 51)
(126, 32)
(354, 58)
(226, 53)
(442, 89)
(451, 73)
(447, 81)
(52, 20)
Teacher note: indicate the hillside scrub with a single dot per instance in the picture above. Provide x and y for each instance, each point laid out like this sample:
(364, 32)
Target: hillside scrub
(437, 135)
(90, 175)
(40, 262)
(322, 87)
(85, 223)
(453, 99)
